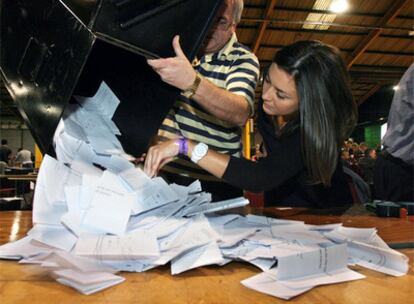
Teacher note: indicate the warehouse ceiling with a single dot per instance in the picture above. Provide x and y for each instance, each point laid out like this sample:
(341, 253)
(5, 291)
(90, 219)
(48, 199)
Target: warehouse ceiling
(375, 38)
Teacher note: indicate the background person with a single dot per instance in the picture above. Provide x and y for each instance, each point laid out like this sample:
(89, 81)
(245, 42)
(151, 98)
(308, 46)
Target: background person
(367, 164)
(258, 152)
(5, 152)
(24, 157)
(394, 167)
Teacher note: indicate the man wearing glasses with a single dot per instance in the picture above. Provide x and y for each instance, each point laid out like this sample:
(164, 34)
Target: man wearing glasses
(217, 98)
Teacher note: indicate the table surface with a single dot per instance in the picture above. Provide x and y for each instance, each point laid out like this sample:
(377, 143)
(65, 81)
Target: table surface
(212, 284)
(30, 178)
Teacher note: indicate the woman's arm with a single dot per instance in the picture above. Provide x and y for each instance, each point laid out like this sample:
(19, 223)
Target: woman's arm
(161, 154)
(284, 163)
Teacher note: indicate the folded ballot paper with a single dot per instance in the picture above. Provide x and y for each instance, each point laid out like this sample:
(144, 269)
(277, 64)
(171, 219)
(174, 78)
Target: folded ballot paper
(86, 283)
(95, 214)
(223, 205)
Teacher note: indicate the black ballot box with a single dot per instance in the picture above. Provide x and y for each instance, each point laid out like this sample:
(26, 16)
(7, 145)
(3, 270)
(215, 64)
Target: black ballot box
(51, 50)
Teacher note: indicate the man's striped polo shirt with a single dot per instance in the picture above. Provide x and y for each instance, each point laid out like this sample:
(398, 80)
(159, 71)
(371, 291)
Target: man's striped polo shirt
(233, 68)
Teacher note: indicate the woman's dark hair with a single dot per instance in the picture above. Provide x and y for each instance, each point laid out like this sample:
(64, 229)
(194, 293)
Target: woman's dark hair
(327, 110)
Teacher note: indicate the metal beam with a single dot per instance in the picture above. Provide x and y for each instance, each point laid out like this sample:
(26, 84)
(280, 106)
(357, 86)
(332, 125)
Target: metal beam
(392, 12)
(368, 94)
(365, 68)
(380, 68)
(278, 46)
(369, 74)
(263, 25)
(331, 24)
(327, 32)
(316, 11)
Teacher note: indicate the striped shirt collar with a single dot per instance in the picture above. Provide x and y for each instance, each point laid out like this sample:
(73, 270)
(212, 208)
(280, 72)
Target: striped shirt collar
(225, 51)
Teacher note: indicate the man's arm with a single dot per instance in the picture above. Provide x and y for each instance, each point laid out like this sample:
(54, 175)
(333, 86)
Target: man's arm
(223, 104)
(178, 72)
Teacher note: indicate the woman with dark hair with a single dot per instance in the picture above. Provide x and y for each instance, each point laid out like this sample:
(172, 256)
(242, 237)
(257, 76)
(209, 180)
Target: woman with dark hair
(305, 114)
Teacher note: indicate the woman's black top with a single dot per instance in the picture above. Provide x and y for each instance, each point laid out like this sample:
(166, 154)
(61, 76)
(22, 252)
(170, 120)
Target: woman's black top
(282, 174)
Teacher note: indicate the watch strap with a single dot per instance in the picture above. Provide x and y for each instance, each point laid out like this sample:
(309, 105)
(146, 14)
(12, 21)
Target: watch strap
(189, 93)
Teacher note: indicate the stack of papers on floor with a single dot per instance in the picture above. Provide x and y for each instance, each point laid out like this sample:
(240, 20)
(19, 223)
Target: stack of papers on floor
(95, 214)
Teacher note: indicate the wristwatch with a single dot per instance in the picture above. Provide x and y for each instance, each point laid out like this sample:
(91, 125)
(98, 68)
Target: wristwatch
(199, 151)
(189, 93)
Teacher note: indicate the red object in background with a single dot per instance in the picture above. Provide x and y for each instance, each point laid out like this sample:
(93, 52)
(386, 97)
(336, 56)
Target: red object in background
(256, 199)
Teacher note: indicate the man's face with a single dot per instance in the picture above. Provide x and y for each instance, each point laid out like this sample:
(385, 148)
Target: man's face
(222, 31)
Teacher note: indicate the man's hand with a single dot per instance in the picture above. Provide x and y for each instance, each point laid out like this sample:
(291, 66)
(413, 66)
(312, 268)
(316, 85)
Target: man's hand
(176, 71)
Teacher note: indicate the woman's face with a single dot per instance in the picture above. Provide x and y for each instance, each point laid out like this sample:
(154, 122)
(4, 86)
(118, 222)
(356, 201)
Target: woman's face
(279, 93)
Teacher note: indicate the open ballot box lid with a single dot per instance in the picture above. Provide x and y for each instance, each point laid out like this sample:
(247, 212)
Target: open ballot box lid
(52, 50)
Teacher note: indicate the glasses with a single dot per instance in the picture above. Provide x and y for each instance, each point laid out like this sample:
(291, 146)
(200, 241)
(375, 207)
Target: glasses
(223, 24)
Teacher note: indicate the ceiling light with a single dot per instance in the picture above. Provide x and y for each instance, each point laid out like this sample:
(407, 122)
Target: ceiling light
(395, 88)
(339, 6)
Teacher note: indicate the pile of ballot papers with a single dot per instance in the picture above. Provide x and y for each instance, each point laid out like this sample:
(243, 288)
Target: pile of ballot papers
(95, 214)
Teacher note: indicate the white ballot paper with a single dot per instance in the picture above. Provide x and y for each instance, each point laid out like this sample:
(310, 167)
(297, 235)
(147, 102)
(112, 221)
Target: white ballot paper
(110, 207)
(150, 193)
(104, 101)
(90, 223)
(297, 232)
(218, 206)
(184, 191)
(319, 261)
(68, 147)
(135, 245)
(367, 249)
(388, 261)
(23, 248)
(54, 236)
(265, 283)
(87, 282)
(201, 256)
(298, 273)
(136, 178)
(49, 201)
(59, 259)
(91, 121)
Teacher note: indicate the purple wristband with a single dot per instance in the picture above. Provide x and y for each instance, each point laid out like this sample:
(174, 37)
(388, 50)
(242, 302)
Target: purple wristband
(182, 146)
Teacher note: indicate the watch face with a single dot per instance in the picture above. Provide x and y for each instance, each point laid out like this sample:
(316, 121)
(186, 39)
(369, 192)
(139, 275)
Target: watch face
(200, 150)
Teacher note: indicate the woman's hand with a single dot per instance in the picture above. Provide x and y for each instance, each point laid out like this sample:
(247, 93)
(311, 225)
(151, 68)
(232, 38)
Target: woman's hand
(159, 155)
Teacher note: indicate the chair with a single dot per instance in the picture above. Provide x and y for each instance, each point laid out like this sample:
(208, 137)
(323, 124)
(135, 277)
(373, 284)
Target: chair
(360, 190)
